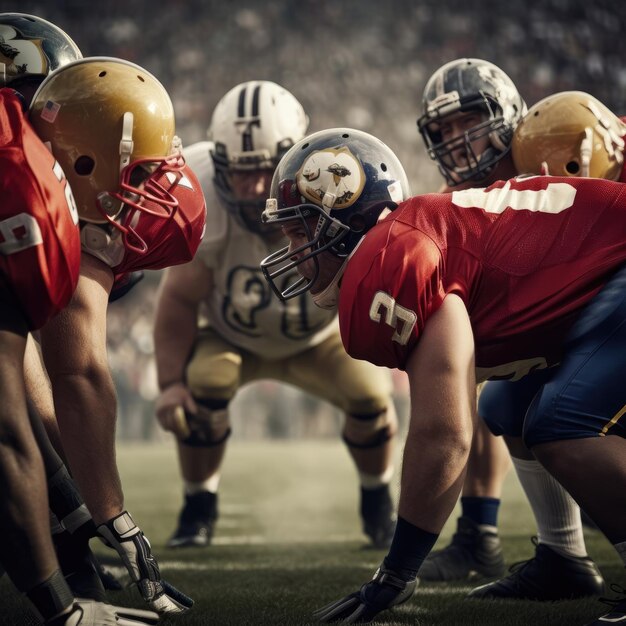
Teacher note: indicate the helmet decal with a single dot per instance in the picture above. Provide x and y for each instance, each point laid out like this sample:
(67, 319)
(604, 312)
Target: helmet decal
(332, 177)
(504, 91)
(20, 54)
(30, 49)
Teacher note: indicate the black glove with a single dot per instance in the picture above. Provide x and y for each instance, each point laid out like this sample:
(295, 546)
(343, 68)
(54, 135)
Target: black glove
(131, 544)
(385, 590)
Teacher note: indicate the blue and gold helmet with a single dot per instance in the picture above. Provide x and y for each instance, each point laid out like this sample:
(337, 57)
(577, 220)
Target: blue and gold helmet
(343, 179)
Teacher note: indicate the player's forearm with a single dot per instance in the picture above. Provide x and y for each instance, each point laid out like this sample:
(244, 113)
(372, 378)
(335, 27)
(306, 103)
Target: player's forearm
(86, 412)
(433, 471)
(175, 331)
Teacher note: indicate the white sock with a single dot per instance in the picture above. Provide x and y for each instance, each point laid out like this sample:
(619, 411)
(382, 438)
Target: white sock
(210, 484)
(371, 481)
(556, 513)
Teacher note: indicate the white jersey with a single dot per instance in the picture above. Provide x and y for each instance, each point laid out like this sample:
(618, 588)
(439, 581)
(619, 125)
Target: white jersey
(242, 308)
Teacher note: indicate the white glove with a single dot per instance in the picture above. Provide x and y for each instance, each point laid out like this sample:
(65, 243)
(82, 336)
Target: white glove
(131, 544)
(92, 613)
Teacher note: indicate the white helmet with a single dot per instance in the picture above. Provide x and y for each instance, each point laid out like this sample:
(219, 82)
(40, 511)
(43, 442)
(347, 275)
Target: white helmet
(252, 126)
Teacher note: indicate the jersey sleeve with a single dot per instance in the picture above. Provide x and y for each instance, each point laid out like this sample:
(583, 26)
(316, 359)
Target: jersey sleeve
(392, 285)
(39, 241)
(211, 250)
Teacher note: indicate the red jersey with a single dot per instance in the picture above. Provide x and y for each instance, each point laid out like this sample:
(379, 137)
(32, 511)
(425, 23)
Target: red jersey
(39, 238)
(524, 255)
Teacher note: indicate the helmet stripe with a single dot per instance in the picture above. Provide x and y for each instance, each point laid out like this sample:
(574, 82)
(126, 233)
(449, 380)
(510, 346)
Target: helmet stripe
(255, 101)
(241, 105)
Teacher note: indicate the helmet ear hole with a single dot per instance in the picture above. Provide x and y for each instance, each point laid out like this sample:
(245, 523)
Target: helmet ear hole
(572, 167)
(84, 165)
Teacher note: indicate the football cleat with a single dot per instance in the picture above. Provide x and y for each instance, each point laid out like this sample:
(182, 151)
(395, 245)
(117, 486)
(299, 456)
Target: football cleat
(378, 515)
(547, 577)
(617, 615)
(196, 521)
(473, 553)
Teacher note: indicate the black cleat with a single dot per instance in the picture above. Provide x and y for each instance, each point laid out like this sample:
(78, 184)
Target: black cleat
(196, 521)
(547, 577)
(617, 615)
(379, 517)
(473, 553)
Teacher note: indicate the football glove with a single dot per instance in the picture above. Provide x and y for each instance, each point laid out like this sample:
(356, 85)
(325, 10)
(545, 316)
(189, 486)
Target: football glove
(92, 613)
(385, 590)
(131, 544)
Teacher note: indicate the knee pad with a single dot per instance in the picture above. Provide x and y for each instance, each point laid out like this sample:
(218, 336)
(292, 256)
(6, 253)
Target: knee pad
(210, 426)
(369, 430)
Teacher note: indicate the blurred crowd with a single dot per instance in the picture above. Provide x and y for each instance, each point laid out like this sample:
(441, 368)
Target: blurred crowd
(356, 63)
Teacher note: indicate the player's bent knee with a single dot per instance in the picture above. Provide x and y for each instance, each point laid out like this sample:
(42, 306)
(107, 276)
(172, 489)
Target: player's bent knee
(215, 378)
(210, 426)
(369, 430)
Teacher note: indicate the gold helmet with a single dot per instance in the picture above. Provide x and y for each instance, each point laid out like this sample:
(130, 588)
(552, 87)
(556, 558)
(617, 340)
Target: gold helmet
(570, 133)
(110, 124)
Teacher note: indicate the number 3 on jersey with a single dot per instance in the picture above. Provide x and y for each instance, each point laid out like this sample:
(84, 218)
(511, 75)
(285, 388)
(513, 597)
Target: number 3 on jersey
(20, 232)
(402, 320)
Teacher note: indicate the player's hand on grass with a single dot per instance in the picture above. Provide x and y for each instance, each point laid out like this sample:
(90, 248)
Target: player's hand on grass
(131, 544)
(92, 613)
(385, 590)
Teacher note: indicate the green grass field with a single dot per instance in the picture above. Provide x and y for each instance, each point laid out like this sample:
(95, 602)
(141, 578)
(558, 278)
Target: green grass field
(288, 541)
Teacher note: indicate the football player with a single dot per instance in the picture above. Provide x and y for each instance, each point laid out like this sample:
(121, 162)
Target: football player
(471, 110)
(456, 288)
(110, 124)
(247, 334)
(39, 266)
(30, 49)
(568, 134)
(39, 260)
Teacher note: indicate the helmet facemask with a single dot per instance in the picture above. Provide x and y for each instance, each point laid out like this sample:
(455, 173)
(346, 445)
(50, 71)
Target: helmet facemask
(236, 183)
(140, 182)
(479, 164)
(464, 85)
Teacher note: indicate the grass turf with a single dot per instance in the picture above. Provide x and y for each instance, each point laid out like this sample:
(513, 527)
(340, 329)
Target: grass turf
(288, 541)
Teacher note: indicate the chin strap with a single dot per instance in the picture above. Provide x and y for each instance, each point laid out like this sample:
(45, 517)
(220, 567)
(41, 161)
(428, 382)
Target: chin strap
(586, 150)
(329, 296)
(126, 143)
